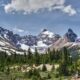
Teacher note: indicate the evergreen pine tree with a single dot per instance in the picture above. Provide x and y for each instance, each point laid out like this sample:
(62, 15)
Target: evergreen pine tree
(29, 56)
(25, 57)
(50, 55)
(36, 57)
(44, 67)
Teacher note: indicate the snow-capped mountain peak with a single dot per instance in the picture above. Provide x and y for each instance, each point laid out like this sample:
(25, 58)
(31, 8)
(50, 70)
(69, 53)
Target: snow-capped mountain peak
(48, 37)
(47, 33)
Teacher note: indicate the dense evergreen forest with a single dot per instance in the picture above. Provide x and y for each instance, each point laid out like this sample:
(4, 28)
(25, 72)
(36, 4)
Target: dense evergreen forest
(68, 66)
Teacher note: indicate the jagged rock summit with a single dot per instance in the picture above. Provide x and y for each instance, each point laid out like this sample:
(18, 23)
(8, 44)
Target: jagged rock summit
(70, 35)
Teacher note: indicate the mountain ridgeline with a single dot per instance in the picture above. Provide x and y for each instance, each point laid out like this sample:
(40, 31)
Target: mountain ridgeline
(46, 39)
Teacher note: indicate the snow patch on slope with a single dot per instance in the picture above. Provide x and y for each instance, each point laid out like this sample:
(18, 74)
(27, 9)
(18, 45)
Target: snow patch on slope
(41, 44)
(1, 43)
(24, 47)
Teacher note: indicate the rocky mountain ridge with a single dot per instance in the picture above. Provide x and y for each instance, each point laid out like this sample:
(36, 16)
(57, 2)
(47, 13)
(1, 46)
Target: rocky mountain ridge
(46, 39)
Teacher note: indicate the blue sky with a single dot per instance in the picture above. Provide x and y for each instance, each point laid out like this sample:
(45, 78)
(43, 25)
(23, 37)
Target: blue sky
(23, 20)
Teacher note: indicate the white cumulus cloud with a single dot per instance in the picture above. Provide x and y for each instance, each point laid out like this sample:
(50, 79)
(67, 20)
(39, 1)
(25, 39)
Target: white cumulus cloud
(70, 10)
(33, 6)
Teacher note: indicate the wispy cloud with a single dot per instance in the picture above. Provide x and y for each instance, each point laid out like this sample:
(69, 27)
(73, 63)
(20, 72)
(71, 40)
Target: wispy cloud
(33, 6)
(18, 30)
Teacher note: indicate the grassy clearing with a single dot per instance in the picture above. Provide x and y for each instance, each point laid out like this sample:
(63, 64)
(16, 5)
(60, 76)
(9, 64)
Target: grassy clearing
(17, 75)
